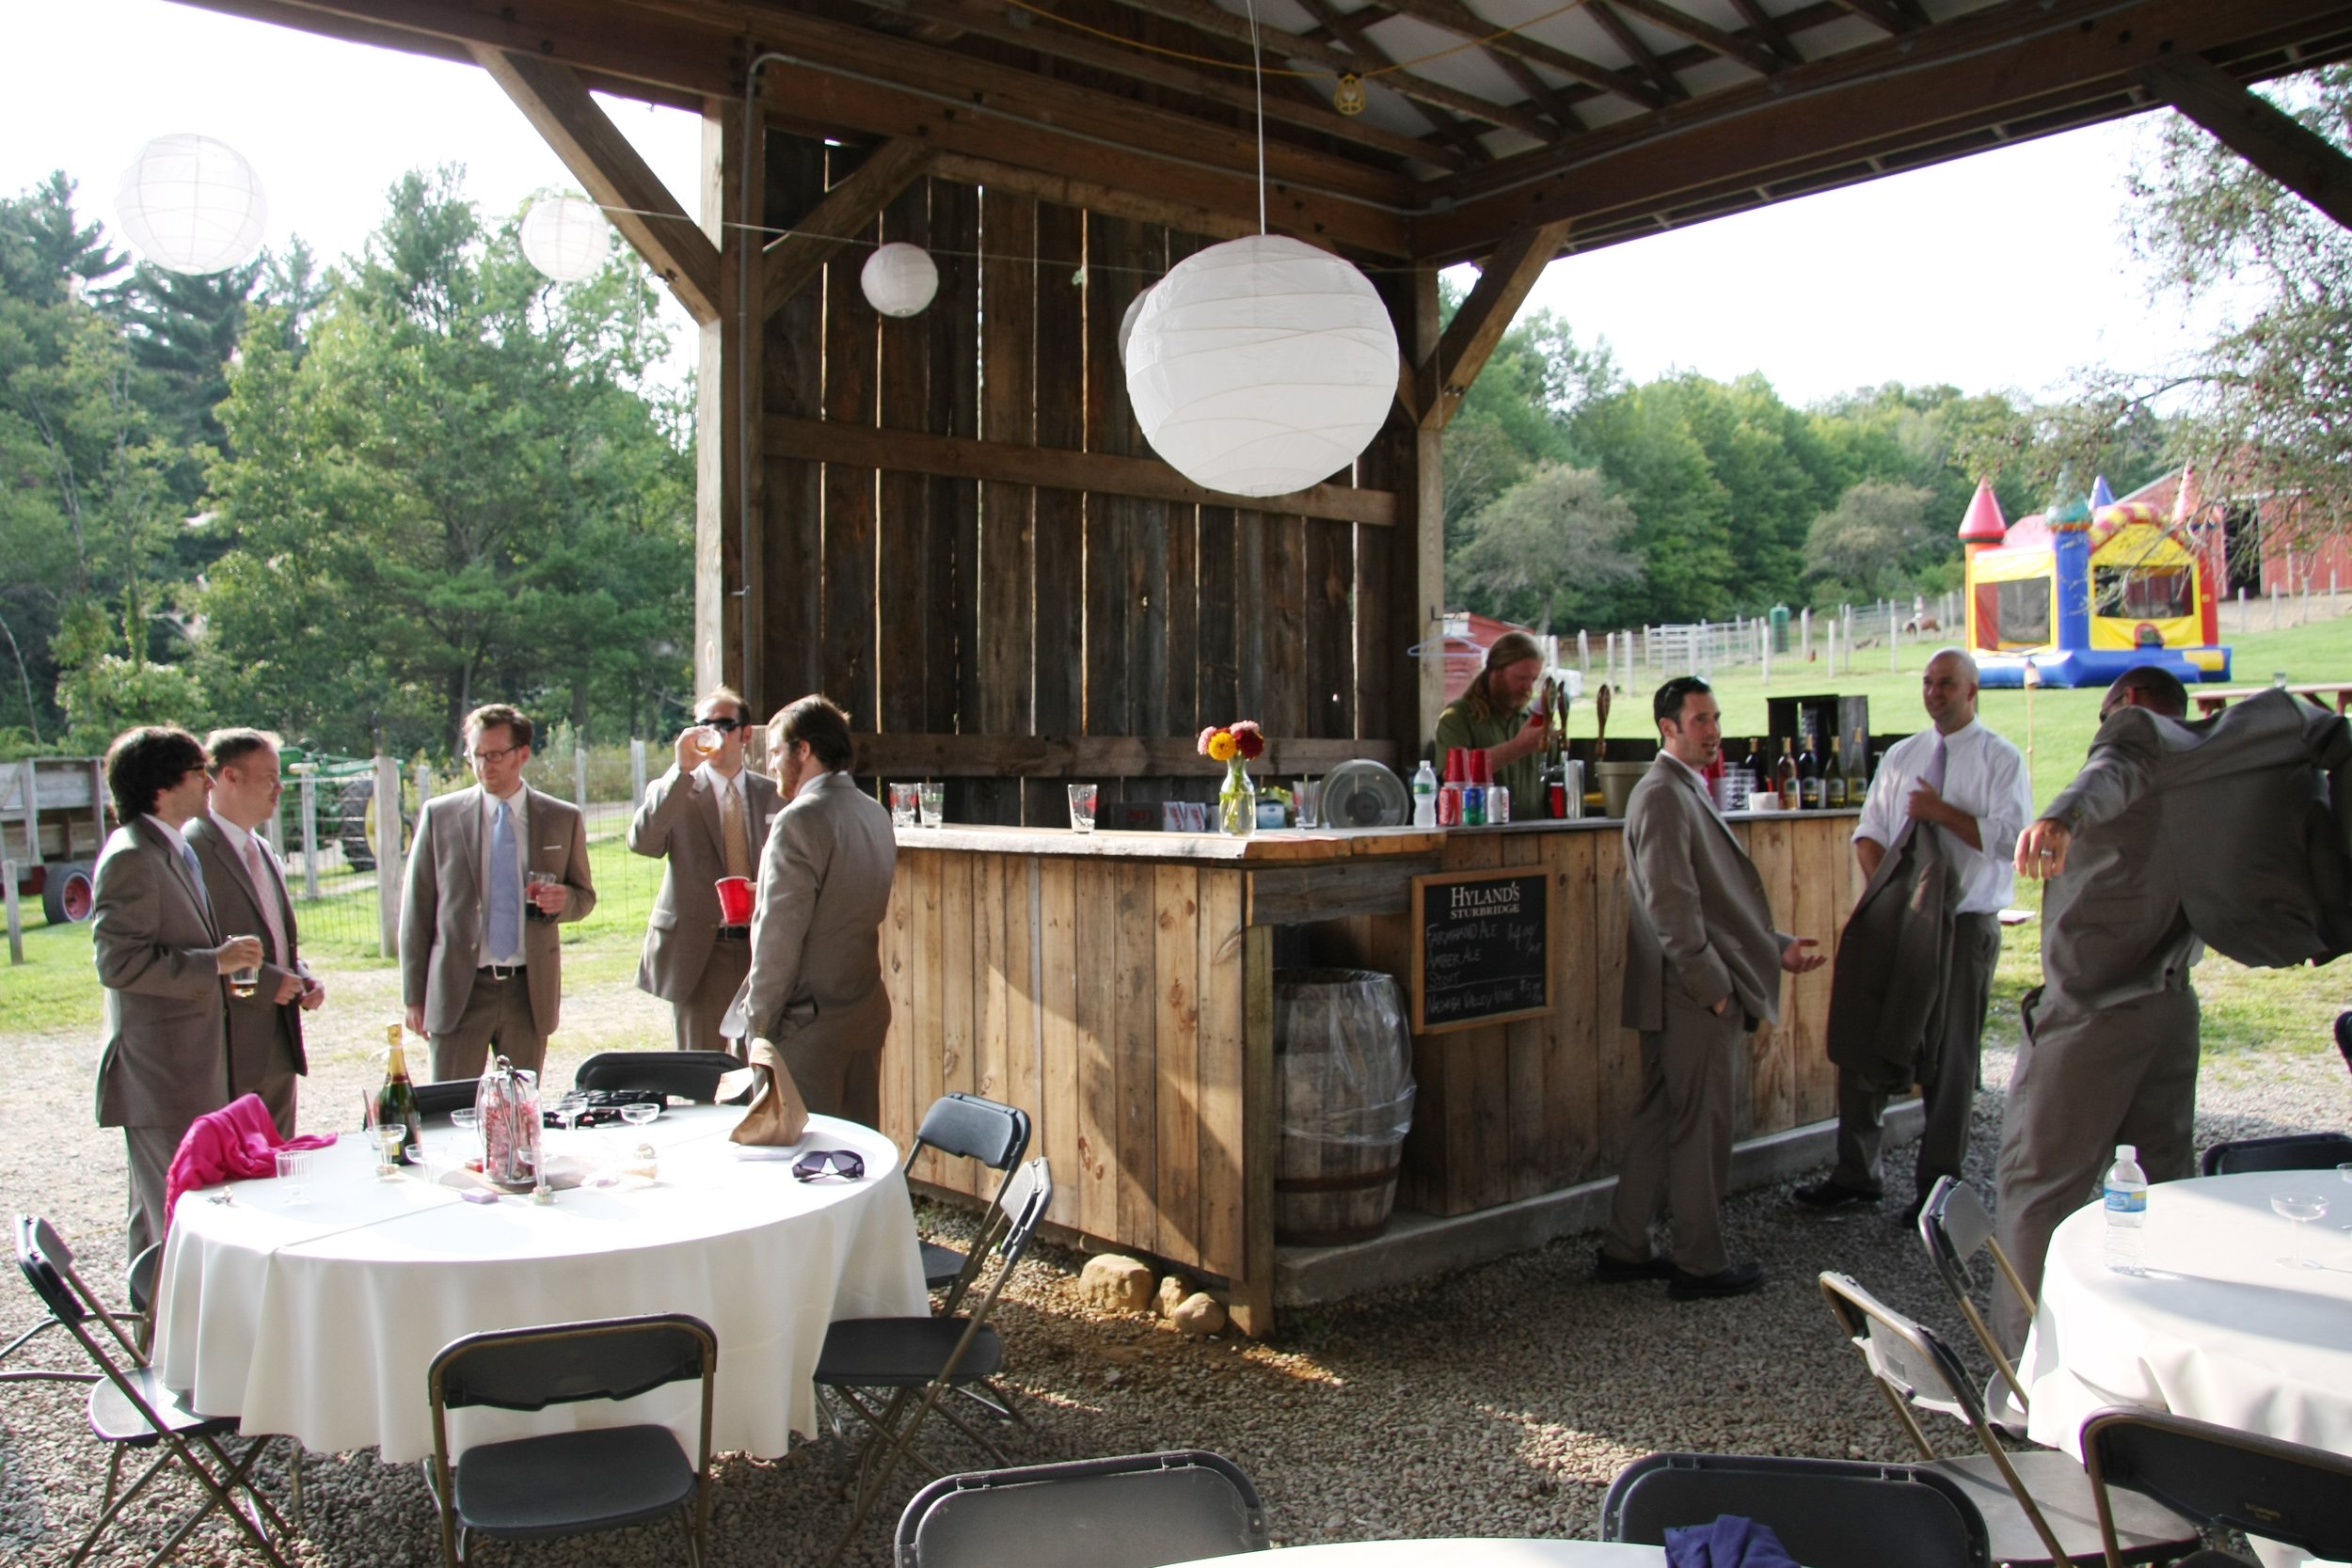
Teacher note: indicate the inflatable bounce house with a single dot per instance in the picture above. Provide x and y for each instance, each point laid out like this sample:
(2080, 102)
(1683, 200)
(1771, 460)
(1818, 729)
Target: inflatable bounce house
(2089, 590)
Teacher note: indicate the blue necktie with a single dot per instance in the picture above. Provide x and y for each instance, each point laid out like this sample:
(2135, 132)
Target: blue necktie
(196, 875)
(507, 908)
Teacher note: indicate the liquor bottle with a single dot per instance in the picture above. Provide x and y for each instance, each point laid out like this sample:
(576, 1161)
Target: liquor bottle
(1857, 770)
(1754, 763)
(1784, 775)
(397, 1101)
(1834, 781)
(1809, 775)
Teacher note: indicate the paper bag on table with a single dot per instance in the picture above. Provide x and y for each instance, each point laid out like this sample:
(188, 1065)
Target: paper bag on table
(778, 1116)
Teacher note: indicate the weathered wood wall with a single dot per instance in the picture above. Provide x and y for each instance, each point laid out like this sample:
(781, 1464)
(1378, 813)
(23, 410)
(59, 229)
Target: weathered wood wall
(935, 605)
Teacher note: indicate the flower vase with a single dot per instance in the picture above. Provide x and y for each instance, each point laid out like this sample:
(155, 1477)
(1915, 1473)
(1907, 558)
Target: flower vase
(1237, 802)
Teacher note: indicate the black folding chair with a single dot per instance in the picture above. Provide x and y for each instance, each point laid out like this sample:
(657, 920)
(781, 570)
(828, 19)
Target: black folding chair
(570, 1482)
(1829, 1512)
(996, 1135)
(1139, 1511)
(689, 1074)
(1955, 1227)
(2289, 1151)
(130, 1408)
(2343, 1038)
(918, 1359)
(2038, 1507)
(435, 1102)
(2217, 1475)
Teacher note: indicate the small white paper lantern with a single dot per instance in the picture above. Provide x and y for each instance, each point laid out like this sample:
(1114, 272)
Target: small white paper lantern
(1127, 323)
(899, 279)
(191, 204)
(1261, 366)
(566, 238)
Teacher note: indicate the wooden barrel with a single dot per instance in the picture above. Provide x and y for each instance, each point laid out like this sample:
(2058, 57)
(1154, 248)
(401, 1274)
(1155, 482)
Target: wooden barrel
(1344, 1064)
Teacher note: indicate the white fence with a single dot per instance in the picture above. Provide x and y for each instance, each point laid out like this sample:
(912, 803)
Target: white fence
(1825, 642)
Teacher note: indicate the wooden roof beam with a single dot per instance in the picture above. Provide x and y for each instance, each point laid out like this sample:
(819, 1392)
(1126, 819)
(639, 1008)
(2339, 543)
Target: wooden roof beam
(827, 229)
(1503, 281)
(1538, 90)
(2258, 131)
(1460, 20)
(1345, 29)
(1764, 25)
(1642, 55)
(1889, 14)
(553, 98)
(1682, 25)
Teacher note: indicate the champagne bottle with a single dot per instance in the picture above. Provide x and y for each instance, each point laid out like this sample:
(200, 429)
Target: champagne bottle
(1858, 770)
(397, 1101)
(1833, 782)
(1809, 775)
(1784, 775)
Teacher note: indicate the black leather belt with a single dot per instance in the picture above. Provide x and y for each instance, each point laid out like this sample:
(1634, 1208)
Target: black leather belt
(733, 933)
(501, 972)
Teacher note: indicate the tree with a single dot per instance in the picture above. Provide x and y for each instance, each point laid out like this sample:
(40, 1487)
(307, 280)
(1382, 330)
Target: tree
(1548, 546)
(1870, 544)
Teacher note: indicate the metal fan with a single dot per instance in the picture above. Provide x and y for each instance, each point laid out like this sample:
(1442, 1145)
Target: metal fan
(1363, 794)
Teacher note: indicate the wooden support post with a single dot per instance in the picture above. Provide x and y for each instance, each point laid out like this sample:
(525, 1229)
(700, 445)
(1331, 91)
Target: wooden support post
(1252, 1306)
(1428, 523)
(390, 867)
(2275, 142)
(728, 583)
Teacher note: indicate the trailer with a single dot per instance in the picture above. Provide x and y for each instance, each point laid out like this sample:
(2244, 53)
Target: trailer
(53, 822)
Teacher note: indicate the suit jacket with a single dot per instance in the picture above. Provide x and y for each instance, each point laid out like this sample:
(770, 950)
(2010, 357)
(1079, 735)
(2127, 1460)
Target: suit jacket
(1698, 917)
(1894, 958)
(679, 820)
(264, 1038)
(440, 914)
(824, 888)
(2228, 831)
(165, 1060)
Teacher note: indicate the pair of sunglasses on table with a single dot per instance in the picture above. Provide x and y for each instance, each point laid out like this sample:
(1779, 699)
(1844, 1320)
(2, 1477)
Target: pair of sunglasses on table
(818, 1163)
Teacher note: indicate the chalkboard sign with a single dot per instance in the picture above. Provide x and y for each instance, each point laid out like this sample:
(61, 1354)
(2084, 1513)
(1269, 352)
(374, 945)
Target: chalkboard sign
(1482, 948)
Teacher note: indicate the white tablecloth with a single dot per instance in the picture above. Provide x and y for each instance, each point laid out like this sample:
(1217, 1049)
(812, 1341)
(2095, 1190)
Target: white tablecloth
(320, 1319)
(1466, 1552)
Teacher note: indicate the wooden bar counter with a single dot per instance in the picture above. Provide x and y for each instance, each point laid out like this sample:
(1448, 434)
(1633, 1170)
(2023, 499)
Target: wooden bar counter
(1120, 987)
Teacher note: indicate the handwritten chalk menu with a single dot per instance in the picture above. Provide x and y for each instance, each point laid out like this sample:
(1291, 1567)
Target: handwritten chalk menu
(1482, 948)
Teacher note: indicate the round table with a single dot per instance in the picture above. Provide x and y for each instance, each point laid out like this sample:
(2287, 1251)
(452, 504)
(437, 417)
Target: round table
(319, 1320)
(1453, 1552)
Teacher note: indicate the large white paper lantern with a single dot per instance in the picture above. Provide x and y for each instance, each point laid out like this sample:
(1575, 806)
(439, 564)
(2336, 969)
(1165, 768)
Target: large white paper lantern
(1127, 323)
(1261, 366)
(191, 204)
(566, 238)
(899, 279)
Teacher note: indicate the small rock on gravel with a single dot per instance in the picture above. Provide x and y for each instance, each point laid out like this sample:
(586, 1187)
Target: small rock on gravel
(1116, 1284)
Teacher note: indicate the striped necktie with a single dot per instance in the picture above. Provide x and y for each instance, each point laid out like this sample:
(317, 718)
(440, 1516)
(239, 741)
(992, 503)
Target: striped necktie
(737, 833)
(506, 913)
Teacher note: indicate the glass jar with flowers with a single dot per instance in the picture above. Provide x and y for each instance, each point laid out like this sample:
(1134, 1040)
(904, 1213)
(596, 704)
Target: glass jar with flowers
(1236, 745)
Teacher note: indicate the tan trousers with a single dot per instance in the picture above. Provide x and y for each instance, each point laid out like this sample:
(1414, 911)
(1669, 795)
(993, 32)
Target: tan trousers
(1677, 1159)
(1947, 1073)
(498, 1013)
(697, 1016)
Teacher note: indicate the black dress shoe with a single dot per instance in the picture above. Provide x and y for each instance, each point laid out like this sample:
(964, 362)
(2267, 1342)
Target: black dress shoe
(1736, 1280)
(1829, 1192)
(1619, 1271)
(1912, 1212)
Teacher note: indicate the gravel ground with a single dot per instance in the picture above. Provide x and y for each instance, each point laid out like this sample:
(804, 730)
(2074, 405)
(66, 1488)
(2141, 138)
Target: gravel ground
(1495, 1402)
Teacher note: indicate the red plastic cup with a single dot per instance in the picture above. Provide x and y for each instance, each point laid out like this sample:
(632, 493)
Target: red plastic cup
(735, 900)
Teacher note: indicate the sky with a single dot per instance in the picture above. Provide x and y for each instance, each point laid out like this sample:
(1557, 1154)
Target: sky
(2005, 271)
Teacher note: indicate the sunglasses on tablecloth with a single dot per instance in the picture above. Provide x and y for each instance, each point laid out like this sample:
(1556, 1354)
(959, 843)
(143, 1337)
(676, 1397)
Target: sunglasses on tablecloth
(820, 1163)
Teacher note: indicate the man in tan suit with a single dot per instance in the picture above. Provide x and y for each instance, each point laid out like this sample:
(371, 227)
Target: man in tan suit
(1703, 965)
(708, 816)
(247, 891)
(161, 956)
(480, 961)
(815, 986)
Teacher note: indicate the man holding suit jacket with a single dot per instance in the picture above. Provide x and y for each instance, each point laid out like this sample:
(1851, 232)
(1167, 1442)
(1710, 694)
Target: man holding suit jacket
(247, 891)
(481, 965)
(161, 956)
(709, 817)
(1703, 965)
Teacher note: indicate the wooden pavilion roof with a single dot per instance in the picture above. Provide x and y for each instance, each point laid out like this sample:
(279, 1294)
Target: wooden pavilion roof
(1539, 126)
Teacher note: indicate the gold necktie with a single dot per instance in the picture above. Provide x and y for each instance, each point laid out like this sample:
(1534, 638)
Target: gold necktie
(737, 833)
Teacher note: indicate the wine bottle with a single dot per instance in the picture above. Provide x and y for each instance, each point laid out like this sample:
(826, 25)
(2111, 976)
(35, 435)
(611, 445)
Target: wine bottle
(1784, 775)
(397, 1101)
(1809, 775)
(1833, 782)
(1754, 763)
(1858, 770)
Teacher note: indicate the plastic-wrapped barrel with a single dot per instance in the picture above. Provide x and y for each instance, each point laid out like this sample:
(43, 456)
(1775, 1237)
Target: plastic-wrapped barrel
(1344, 1060)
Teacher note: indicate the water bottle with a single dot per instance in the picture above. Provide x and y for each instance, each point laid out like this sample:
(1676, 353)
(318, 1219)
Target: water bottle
(1425, 796)
(2128, 1209)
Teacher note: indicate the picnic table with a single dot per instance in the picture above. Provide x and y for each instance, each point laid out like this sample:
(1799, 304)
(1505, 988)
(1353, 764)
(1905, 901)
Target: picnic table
(2323, 692)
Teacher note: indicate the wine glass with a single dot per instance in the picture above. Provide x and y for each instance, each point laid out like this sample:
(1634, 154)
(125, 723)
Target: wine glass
(570, 1107)
(2303, 1207)
(639, 1112)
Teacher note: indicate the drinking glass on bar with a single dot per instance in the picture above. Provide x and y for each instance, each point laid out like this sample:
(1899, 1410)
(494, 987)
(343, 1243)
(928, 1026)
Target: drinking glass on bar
(1306, 797)
(905, 804)
(935, 805)
(1082, 807)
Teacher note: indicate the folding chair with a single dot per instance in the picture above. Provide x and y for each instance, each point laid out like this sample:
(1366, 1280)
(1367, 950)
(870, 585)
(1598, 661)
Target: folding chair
(2036, 1506)
(2291, 1151)
(1829, 1512)
(1955, 1227)
(689, 1074)
(995, 1135)
(2343, 1038)
(918, 1359)
(570, 1482)
(2219, 1476)
(130, 1408)
(1139, 1511)
(434, 1101)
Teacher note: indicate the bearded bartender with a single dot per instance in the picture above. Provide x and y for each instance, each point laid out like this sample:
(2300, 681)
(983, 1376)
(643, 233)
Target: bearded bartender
(1491, 716)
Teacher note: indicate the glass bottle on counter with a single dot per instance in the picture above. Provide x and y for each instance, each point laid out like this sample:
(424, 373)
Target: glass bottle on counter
(396, 1101)
(1784, 775)
(1858, 770)
(1809, 775)
(1833, 780)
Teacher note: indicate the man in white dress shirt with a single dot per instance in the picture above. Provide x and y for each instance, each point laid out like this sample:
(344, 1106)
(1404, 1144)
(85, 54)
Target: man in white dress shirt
(1959, 776)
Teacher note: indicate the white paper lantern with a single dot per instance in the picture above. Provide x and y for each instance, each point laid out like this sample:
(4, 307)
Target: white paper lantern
(899, 279)
(1127, 323)
(1261, 366)
(192, 204)
(566, 238)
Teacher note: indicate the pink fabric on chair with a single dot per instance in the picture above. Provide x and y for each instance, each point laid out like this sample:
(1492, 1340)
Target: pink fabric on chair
(237, 1142)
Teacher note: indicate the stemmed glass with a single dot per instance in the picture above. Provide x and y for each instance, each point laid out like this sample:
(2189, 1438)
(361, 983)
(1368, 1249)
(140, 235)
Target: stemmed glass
(2303, 1207)
(570, 1108)
(637, 1112)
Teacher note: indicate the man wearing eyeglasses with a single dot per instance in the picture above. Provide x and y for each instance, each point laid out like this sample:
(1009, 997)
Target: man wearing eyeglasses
(815, 986)
(707, 816)
(493, 871)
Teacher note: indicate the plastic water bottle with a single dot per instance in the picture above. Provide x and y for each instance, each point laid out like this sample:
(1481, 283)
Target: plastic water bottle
(1425, 796)
(2128, 1209)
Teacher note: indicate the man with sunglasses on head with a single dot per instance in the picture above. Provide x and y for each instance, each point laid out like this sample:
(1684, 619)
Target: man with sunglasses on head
(707, 816)
(480, 966)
